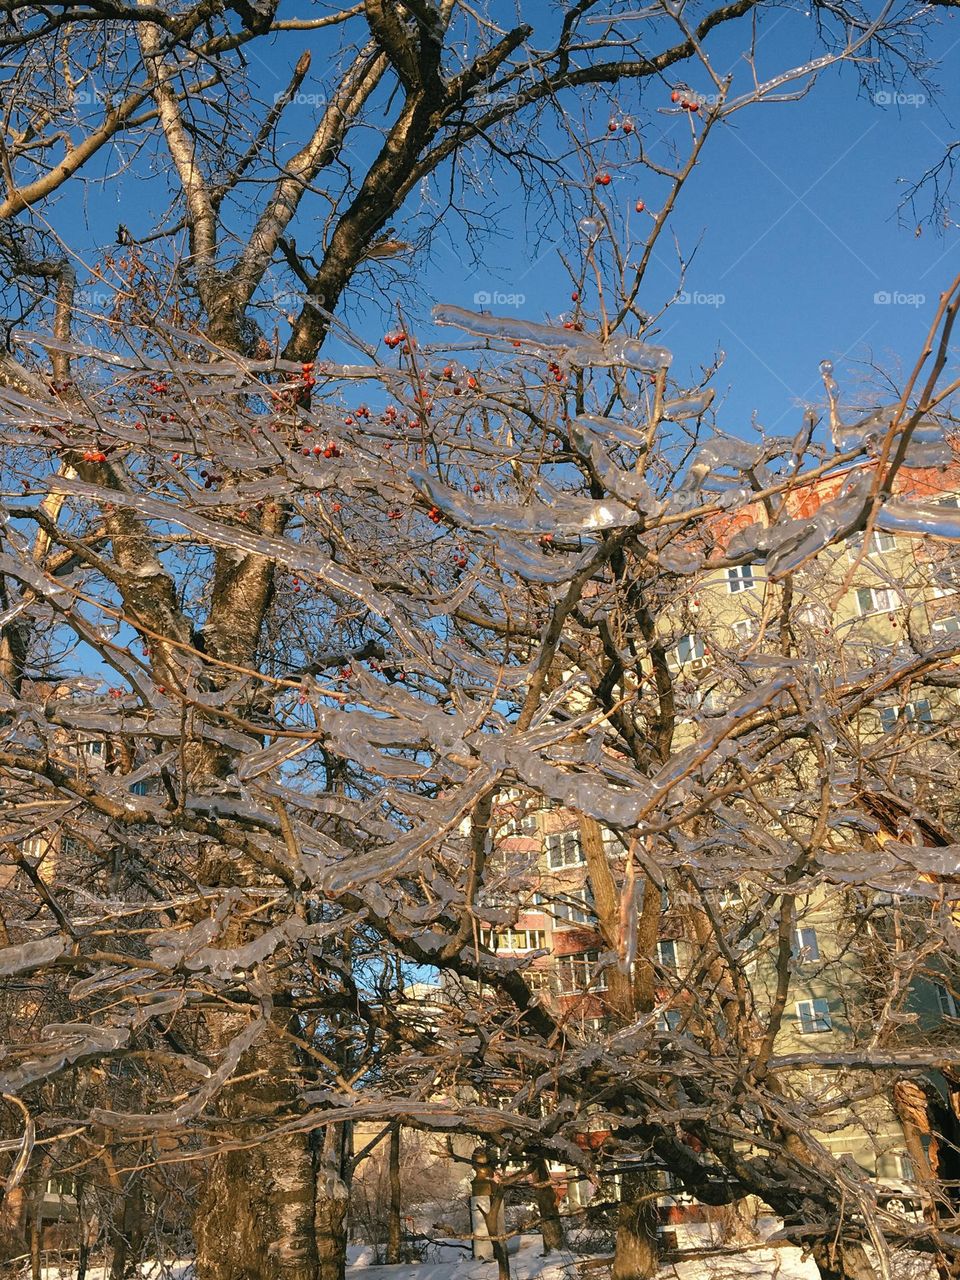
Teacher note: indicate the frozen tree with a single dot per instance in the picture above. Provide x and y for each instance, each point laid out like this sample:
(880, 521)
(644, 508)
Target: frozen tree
(476, 586)
(274, 628)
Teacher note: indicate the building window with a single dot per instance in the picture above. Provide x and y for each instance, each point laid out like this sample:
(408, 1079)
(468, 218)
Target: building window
(745, 629)
(918, 712)
(876, 600)
(575, 907)
(880, 543)
(689, 648)
(813, 1016)
(944, 626)
(93, 748)
(539, 980)
(949, 500)
(514, 939)
(669, 1019)
(613, 845)
(946, 1001)
(564, 850)
(576, 973)
(805, 945)
(62, 1186)
(946, 577)
(667, 953)
(740, 578)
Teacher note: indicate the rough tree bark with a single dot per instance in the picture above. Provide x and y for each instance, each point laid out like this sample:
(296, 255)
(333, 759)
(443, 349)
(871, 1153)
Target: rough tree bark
(551, 1224)
(638, 1239)
(393, 1223)
(637, 1249)
(330, 1208)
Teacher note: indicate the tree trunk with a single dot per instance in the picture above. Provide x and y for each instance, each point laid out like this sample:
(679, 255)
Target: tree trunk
(36, 1270)
(839, 1261)
(330, 1209)
(636, 1256)
(255, 1217)
(393, 1224)
(126, 1230)
(494, 1219)
(551, 1224)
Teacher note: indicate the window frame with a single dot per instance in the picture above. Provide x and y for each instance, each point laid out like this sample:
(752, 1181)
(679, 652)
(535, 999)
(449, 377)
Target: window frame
(812, 1023)
(555, 842)
(504, 939)
(812, 949)
(877, 593)
(946, 1001)
(581, 967)
(740, 577)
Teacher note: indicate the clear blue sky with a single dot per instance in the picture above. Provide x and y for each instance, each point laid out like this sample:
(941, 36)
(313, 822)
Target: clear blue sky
(793, 215)
(794, 210)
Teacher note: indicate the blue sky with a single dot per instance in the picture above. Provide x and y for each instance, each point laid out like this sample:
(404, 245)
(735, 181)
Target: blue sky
(792, 213)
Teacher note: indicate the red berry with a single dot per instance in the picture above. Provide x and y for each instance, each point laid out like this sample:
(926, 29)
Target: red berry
(575, 296)
(675, 96)
(613, 126)
(628, 126)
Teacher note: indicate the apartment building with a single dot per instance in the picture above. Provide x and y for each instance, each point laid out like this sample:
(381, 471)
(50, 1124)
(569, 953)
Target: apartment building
(856, 607)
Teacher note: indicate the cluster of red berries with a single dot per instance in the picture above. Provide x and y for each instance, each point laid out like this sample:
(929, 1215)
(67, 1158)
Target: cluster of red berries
(209, 479)
(318, 451)
(159, 388)
(685, 103)
(434, 515)
(640, 206)
(94, 455)
(558, 374)
(615, 124)
(394, 514)
(306, 375)
(395, 339)
(602, 180)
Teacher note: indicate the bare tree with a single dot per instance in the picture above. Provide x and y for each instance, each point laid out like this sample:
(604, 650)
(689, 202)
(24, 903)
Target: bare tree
(311, 623)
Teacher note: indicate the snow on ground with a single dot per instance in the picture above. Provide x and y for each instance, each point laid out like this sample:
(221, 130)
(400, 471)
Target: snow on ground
(448, 1260)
